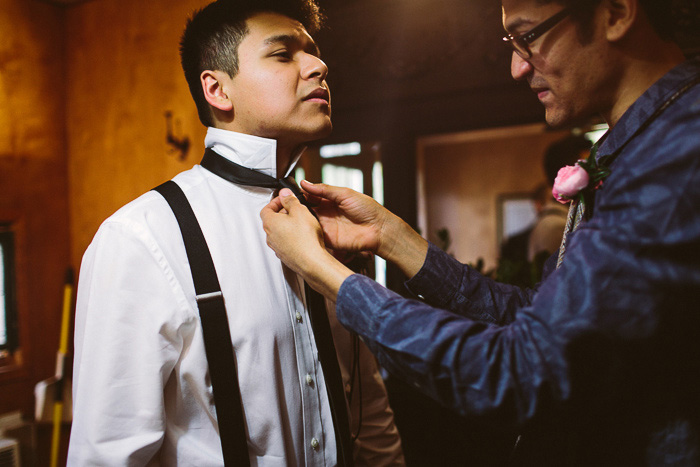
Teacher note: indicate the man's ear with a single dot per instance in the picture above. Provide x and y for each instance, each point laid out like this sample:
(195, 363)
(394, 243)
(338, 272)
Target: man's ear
(621, 15)
(214, 84)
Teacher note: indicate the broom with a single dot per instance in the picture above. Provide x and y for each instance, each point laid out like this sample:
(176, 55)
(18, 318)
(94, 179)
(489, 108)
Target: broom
(58, 387)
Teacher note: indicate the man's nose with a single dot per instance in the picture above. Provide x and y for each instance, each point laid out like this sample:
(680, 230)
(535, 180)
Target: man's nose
(519, 67)
(315, 67)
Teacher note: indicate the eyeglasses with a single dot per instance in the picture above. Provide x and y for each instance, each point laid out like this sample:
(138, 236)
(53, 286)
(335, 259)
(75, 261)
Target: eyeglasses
(521, 42)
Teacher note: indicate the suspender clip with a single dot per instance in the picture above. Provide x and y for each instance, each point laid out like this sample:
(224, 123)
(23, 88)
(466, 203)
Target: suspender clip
(207, 297)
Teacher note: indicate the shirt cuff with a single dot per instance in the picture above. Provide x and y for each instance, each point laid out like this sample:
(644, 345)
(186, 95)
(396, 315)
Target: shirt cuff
(438, 279)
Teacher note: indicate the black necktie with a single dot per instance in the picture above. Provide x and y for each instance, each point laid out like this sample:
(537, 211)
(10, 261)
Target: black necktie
(240, 175)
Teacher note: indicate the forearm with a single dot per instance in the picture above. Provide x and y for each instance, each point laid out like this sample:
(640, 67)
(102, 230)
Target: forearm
(402, 246)
(446, 283)
(325, 274)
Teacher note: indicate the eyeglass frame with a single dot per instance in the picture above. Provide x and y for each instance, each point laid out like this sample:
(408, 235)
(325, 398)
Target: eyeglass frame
(521, 42)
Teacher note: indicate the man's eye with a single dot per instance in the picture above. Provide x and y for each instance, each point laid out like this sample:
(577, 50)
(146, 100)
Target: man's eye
(283, 54)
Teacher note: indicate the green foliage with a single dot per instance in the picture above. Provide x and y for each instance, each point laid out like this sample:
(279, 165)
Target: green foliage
(444, 239)
(521, 273)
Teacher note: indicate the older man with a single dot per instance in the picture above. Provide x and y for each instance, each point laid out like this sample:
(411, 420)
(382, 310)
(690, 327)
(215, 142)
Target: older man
(600, 364)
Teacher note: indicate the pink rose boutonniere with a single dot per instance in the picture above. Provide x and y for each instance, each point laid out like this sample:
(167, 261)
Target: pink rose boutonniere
(572, 180)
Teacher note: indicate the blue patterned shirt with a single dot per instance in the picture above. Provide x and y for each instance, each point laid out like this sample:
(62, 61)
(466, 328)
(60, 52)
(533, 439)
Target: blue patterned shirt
(600, 364)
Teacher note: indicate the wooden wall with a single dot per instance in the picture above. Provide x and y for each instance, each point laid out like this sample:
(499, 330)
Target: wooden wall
(123, 74)
(33, 186)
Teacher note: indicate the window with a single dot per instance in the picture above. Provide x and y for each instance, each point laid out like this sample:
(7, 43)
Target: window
(354, 165)
(8, 315)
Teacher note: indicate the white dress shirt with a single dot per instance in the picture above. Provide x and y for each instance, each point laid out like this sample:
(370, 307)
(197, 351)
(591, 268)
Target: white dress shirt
(142, 394)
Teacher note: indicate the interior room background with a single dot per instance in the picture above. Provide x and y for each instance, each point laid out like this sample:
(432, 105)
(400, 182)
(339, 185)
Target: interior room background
(94, 111)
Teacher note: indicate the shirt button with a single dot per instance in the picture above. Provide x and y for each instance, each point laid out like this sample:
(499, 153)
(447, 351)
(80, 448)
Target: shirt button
(348, 388)
(298, 316)
(314, 444)
(309, 380)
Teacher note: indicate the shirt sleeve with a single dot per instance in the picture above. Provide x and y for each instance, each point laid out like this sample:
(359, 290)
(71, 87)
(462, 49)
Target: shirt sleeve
(467, 365)
(126, 346)
(446, 283)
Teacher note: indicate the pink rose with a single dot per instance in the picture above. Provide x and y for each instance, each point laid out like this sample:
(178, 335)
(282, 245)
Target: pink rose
(569, 182)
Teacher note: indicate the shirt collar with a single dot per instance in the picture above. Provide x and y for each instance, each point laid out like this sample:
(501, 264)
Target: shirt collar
(249, 151)
(647, 104)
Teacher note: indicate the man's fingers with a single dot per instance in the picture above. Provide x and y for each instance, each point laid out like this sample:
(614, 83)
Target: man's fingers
(273, 206)
(288, 199)
(317, 189)
(310, 187)
(313, 199)
(321, 190)
(281, 204)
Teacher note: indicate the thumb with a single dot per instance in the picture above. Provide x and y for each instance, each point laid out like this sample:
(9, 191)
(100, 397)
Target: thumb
(322, 190)
(288, 199)
(316, 189)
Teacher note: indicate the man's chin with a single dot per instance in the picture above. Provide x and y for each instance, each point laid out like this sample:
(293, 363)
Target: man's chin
(559, 121)
(555, 124)
(315, 134)
(324, 131)
(558, 118)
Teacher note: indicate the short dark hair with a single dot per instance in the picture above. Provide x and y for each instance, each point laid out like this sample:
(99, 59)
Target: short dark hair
(563, 152)
(212, 36)
(659, 12)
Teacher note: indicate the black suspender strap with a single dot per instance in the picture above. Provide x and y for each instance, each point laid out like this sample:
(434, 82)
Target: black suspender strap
(215, 328)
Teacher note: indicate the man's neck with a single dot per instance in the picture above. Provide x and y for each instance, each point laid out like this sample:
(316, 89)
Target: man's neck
(286, 155)
(639, 73)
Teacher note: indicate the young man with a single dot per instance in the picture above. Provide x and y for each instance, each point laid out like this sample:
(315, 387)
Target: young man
(599, 365)
(143, 394)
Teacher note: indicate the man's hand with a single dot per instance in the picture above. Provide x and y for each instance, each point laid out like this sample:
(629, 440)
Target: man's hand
(352, 221)
(297, 239)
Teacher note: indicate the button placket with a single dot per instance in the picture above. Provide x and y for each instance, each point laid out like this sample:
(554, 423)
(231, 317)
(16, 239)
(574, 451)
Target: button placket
(307, 362)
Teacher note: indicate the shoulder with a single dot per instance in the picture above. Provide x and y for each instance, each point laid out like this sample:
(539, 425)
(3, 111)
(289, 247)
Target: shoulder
(142, 220)
(149, 215)
(655, 181)
(144, 233)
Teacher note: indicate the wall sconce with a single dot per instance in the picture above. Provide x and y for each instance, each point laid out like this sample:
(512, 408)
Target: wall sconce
(178, 144)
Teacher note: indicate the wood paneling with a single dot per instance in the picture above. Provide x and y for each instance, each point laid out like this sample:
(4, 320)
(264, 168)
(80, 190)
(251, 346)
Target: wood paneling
(33, 185)
(123, 75)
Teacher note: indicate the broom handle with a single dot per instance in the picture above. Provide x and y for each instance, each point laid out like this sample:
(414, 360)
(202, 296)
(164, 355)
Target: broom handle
(60, 367)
